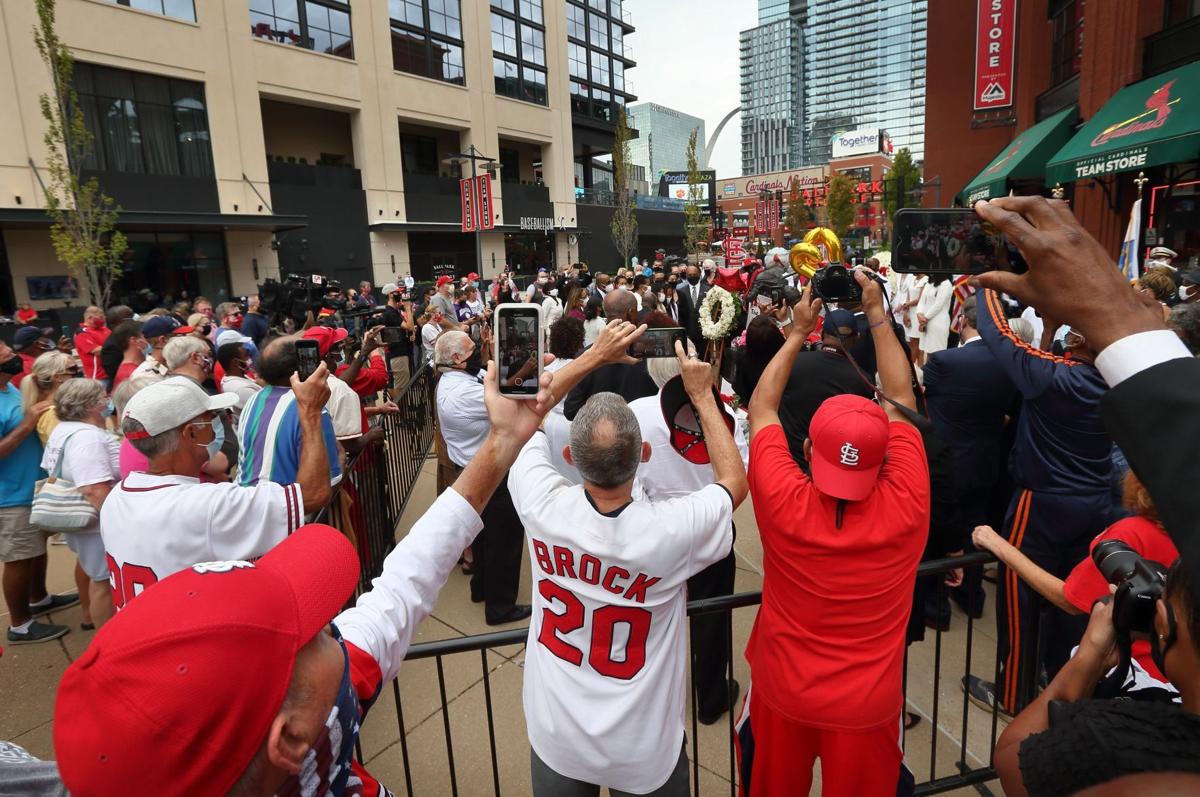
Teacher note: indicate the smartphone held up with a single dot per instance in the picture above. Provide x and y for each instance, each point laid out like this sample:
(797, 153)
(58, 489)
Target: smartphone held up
(519, 349)
(950, 241)
(308, 357)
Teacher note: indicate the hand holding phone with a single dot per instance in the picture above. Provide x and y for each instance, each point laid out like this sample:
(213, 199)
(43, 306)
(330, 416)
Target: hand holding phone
(659, 342)
(519, 351)
(308, 357)
(950, 241)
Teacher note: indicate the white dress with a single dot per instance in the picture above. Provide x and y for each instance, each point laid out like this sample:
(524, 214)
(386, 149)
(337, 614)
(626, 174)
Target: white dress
(935, 306)
(916, 288)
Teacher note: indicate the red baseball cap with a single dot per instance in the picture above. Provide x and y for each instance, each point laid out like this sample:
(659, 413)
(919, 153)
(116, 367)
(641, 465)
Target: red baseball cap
(184, 330)
(849, 439)
(326, 337)
(177, 692)
(442, 280)
(472, 276)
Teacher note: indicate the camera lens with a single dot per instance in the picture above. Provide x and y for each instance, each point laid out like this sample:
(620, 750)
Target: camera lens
(1115, 560)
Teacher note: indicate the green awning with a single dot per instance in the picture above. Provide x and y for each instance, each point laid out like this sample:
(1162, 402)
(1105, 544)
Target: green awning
(1024, 158)
(1151, 123)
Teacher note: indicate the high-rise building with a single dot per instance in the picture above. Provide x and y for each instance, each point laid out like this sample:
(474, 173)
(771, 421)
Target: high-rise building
(772, 93)
(848, 86)
(663, 135)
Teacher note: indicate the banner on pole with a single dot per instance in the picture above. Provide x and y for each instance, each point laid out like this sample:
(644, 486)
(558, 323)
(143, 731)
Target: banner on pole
(995, 47)
(469, 206)
(483, 199)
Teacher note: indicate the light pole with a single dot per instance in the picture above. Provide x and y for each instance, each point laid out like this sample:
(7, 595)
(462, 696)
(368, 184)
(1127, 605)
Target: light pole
(490, 166)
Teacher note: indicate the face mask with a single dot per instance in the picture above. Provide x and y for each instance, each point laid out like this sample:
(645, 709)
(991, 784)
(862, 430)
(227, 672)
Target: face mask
(218, 438)
(1186, 292)
(543, 280)
(12, 367)
(110, 409)
(148, 349)
(97, 323)
(1160, 647)
(474, 363)
(694, 279)
(243, 364)
(204, 330)
(328, 761)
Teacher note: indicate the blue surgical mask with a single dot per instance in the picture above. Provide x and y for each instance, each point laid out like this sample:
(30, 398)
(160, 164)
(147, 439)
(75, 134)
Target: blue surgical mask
(148, 350)
(218, 438)
(110, 409)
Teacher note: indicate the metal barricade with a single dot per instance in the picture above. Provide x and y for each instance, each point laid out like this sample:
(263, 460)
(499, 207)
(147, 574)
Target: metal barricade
(967, 768)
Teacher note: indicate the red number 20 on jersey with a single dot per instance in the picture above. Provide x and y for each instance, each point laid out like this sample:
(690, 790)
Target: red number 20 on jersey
(604, 623)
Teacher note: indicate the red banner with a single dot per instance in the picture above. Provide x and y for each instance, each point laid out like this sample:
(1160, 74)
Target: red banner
(483, 197)
(760, 216)
(774, 214)
(470, 211)
(995, 45)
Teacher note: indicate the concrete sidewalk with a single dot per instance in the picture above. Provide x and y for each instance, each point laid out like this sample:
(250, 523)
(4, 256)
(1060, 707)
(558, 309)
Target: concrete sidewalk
(30, 673)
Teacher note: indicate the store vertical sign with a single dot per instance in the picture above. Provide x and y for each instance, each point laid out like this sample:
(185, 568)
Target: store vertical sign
(995, 49)
(483, 200)
(470, 210)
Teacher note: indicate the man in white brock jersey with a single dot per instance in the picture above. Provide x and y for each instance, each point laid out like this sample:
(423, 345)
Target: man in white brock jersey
(605, 666)
(164, 520)
(230, 676)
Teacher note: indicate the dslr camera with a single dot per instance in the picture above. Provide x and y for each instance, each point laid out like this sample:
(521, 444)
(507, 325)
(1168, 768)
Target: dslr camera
(835, 283)
(1139, 584)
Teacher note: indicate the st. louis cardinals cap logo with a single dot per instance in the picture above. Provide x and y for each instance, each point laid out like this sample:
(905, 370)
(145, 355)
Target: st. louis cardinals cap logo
(849, 454)
(221, 567)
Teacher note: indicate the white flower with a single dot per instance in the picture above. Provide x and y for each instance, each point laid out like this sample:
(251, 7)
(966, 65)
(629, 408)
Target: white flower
(715, 329)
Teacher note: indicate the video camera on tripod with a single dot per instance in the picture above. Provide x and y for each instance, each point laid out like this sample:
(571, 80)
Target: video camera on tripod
(297, 296)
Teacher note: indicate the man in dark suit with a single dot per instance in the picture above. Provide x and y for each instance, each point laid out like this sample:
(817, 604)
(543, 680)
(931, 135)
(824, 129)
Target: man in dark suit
(969, 395)
(598, 288)
(628, 380)
(691, 292)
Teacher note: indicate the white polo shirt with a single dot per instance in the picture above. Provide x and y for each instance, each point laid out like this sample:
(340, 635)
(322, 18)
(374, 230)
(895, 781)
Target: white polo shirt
(345, 407)
(153, 526)
(462, 415)
(606, 660)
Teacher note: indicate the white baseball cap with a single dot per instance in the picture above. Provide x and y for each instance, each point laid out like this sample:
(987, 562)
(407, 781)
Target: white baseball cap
(171, 403)
(232, 336)
(390, 288)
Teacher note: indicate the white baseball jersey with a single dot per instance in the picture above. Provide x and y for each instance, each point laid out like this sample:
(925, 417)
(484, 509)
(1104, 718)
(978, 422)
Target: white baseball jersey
(154, 526)
(605, 665)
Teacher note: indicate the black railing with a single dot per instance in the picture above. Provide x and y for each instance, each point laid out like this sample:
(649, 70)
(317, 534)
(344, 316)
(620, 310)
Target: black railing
(377, 483)
(942, 776)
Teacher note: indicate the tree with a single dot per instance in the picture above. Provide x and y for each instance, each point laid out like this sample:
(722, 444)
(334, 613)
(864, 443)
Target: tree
(900, 182)
(695, 228)
(83, 219)
(624, 227)
(797, 215)
(839, 208)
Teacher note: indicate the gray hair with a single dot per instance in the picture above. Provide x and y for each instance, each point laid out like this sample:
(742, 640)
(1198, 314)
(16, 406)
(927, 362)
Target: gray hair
(969, 312)
(1023, 328)
(75, 398)
(606, 441)
(159, 445)
(180, 349)
(448, 344)
(129, 388)
(664, 369)
(1185, 320)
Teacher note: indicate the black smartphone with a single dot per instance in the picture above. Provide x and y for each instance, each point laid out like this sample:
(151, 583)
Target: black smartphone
(659, 342)
(66, 331)
(950, 241)
(308, 357)
(392, 335)
(519, 349)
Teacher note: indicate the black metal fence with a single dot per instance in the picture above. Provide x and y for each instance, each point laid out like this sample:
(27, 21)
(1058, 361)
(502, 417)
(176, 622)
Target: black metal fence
(943, 775)
(377, 483)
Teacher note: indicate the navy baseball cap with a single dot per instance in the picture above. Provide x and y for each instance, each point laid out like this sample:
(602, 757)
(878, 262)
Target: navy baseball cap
(687, 438)
(27, 336)
(159, 325)
(840, 323)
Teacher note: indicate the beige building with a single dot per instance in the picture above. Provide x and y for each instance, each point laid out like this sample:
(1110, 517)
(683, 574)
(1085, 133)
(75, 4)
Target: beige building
(247, 139)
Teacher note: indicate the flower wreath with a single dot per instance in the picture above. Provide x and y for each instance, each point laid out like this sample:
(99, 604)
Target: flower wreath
(720, 326)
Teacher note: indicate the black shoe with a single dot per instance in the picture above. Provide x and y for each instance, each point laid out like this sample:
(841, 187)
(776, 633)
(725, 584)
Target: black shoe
(37, 632)
(56, 602)
(734, 689)
(983, 694)
(521, 611)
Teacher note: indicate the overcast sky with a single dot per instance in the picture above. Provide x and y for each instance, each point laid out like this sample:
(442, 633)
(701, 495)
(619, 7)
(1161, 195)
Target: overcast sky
(687, 59)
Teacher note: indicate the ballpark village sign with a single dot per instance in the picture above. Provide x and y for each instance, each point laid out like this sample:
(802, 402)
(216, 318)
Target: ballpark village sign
(753, 185)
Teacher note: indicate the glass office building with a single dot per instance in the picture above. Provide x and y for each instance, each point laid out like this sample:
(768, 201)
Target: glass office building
(864, 67)
(662, 140)
(772, 95)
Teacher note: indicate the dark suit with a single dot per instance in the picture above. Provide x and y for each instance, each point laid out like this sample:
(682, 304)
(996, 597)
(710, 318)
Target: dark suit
(968, 394)
(1163, 455)
(689, 312)
(627, 381)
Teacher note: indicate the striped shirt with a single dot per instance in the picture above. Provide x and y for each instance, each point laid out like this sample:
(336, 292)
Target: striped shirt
(270, 437)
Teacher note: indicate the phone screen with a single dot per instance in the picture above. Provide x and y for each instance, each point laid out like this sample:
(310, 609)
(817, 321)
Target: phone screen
(308, 355)
(950, 241)
(518, 332)
(658, 343)
(392, 335)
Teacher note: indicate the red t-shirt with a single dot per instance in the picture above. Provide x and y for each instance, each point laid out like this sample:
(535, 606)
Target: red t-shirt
(124, 372)
(27, 316)
(26, 367)
(1086, 585)
(827, 649)
(88, 341)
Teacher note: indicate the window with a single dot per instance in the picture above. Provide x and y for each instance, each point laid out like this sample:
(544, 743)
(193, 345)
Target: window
(577, 60)
(598, 31)
(519, 51)
(1066, 33)
(599, 5)
(510, 165)
(418, 154)
(173, 264)
(576, 22)
(144, 124)
(320, 25)
(600, 68)
(618, 75)
(180, 9)
(427, 39)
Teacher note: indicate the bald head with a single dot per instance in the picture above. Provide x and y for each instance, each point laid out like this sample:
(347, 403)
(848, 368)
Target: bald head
(278, 361)
(620, 305)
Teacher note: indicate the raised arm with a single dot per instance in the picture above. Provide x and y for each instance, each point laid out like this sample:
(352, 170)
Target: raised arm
(728, 469)
(313, 472)
(1030, 369)
(891, 361)
(26, 427)
(764, 404)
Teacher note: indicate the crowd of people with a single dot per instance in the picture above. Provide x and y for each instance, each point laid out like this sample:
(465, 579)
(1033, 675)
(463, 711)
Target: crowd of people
(862, 456)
